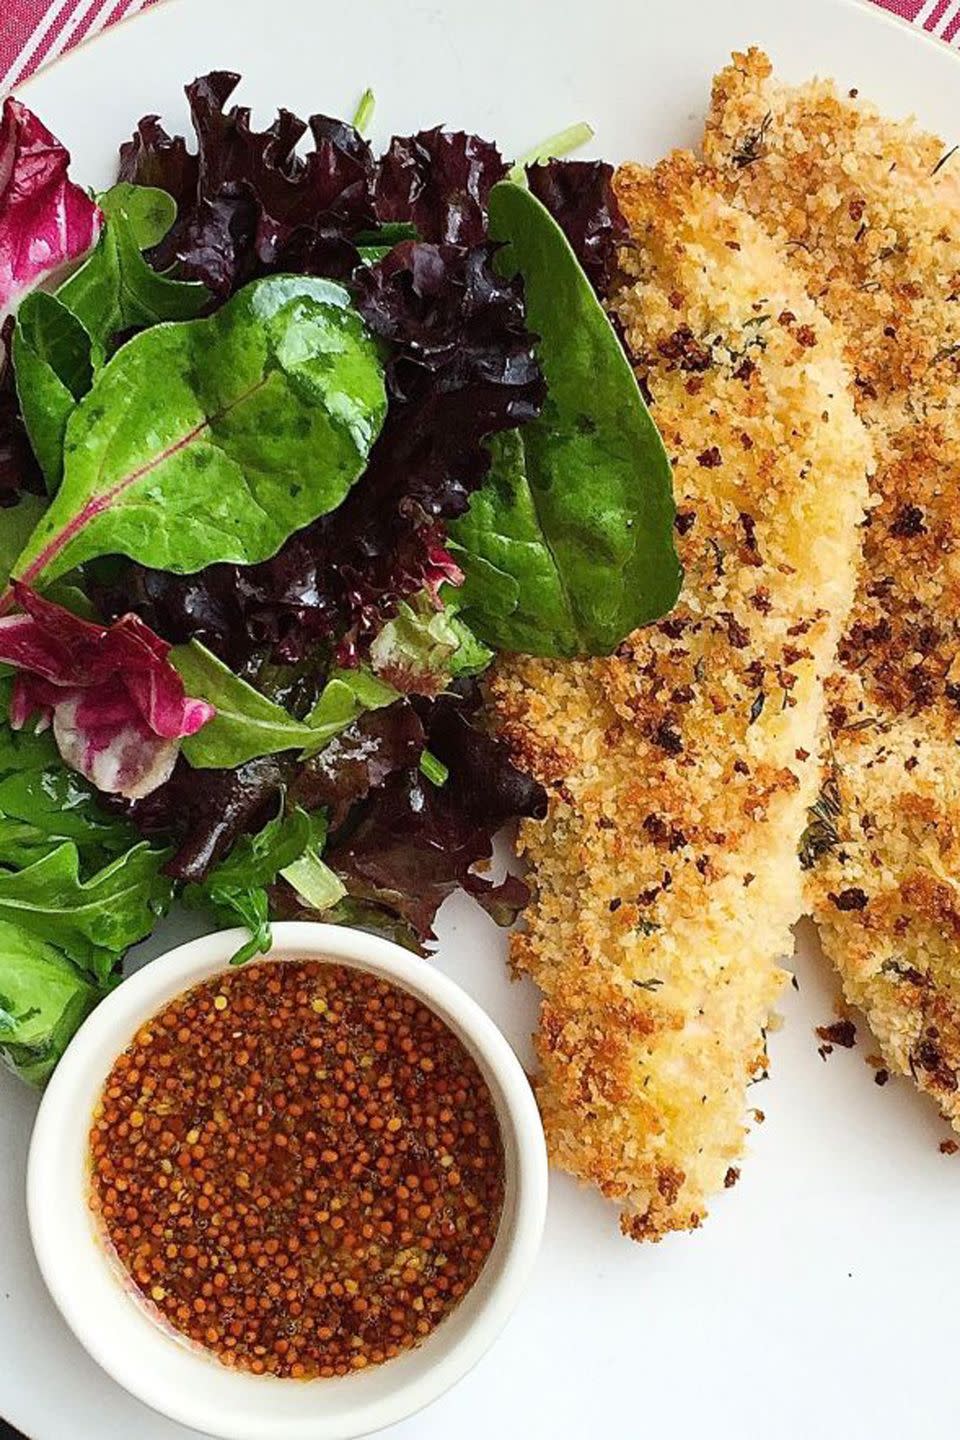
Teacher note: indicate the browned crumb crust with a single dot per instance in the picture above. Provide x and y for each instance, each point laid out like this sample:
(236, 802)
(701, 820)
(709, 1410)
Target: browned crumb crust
(680, 768)
(870, 211)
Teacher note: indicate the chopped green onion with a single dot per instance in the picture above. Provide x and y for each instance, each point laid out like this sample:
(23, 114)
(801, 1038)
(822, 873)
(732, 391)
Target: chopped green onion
(364, 111)
(314, 881)
(434, 769)
(553, 148)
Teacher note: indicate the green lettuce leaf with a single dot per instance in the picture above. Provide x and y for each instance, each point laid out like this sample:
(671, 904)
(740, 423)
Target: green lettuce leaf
(315, 883)
(568, 544)
(93, 921)
(423, 648)
(213, 440)
(43, 1000)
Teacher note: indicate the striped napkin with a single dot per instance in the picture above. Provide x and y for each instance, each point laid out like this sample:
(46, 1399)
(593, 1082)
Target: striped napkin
(34, 32)
(937, 17)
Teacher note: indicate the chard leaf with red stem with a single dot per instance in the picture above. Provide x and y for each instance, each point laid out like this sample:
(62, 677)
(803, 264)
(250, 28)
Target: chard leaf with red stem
(269, 408)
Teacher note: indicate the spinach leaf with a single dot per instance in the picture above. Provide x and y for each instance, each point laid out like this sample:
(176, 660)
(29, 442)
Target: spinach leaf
(236, 889)
(247, 724)
(43, 1001)
(53, 367)
(115, 289)
(60, 339)
(52, 331)
(215, 439)
(568, 545)
(95, 920)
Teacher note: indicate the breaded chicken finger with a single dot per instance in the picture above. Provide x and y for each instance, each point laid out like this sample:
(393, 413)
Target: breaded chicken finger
(681, 768)
(870, 211)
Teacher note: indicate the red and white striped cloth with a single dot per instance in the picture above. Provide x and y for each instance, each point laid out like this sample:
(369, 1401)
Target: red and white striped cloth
(937, 17)
(34, 32)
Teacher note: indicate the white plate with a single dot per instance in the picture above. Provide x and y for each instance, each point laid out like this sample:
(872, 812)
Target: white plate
(821, 1297)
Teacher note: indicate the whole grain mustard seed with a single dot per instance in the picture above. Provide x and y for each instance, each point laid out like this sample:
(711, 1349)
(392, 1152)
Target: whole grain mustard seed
(300, 1167)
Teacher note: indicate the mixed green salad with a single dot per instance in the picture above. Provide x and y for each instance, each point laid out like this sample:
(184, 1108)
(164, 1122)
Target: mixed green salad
(292, 442)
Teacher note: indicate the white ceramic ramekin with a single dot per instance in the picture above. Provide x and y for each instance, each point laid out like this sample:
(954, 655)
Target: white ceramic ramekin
(117, 1328)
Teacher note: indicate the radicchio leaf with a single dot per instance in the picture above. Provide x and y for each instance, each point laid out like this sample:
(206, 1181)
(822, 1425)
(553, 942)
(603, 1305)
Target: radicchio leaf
(46, 221)
(579, 195)
(117, 704)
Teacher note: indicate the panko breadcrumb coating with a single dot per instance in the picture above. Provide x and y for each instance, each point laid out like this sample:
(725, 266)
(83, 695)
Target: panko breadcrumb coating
(680, 769)
(869, 210)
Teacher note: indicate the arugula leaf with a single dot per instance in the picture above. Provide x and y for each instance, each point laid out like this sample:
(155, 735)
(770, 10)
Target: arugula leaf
(41, 808)
(214, 439)
(577, 510)
(24, 749)
(115, 289)
(371, 254)
(52, 360)
(236, 889)
(95, 920)
(43, 802)
(43, 1001)
(389, 233)
(422, 648)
